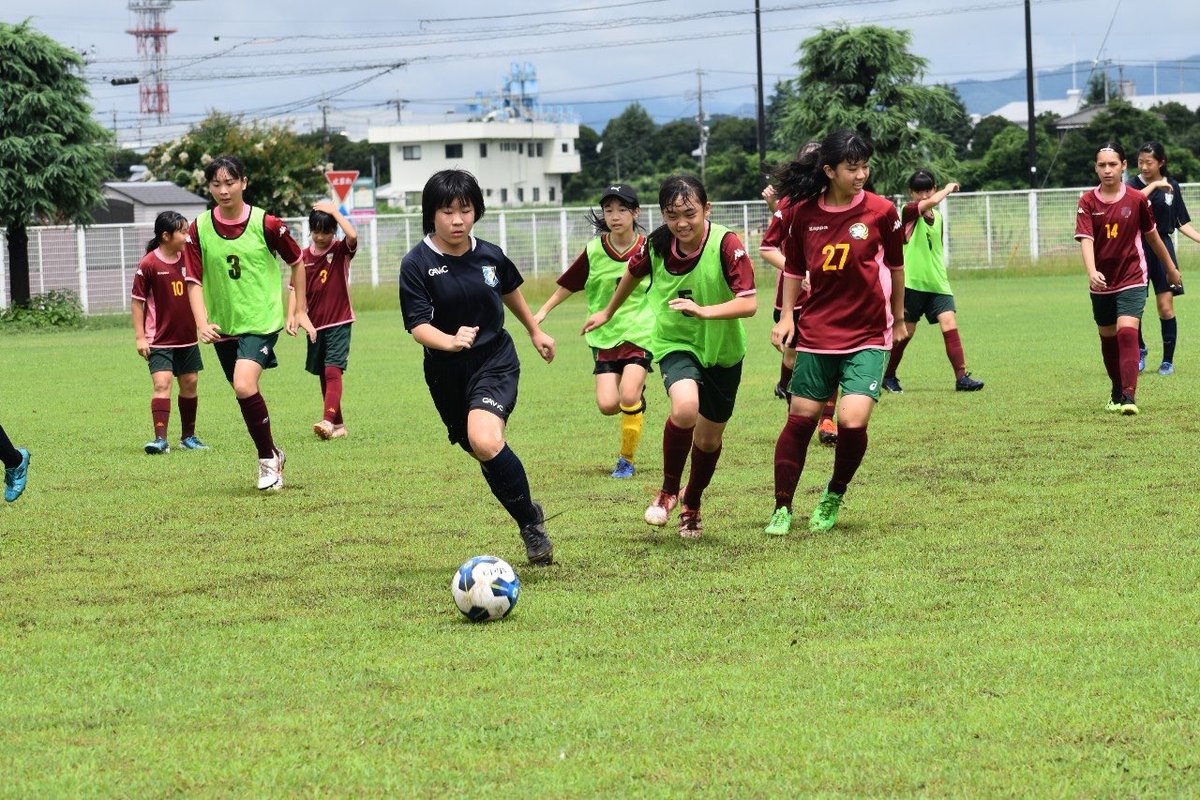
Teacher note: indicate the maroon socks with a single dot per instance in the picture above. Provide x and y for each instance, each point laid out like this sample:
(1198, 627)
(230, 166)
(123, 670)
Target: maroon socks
(331, 391)
(704, 464)
(1128, 353)
(187, 416)
(677, 442)
(258, 423)
(954, 352)
(790, 450)
(160, 410)
(851, 447)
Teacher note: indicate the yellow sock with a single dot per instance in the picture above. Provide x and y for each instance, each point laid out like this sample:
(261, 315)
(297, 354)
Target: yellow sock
(631, 429)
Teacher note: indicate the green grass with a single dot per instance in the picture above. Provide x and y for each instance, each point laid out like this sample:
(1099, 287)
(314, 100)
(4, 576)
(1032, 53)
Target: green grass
(1007, 606)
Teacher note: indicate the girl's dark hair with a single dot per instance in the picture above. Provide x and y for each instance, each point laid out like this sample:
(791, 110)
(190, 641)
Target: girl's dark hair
(320, 222)
(166, 222)
(682, 188)
(230, 164)
(443, 188)
(1115, 147)
(1160, 155)
(805, 178)
(921, 180)
(596, 219)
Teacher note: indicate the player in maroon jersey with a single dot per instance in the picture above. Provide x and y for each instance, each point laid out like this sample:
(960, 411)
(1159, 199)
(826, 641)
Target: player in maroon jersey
(165, 332)
(327, 272)
(1110, 223)
(848, 243)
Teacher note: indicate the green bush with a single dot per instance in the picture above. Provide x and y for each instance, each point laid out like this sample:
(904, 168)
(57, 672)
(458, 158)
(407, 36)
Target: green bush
(54, 309)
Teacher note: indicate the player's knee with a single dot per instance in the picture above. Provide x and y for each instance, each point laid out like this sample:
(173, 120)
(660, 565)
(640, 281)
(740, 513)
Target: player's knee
(244, 387)
(607, 406)
(685, 415)
(485, 445)
(187, 383)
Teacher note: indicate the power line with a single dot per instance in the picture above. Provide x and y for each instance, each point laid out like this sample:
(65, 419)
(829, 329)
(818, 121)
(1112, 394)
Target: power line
(540, 13)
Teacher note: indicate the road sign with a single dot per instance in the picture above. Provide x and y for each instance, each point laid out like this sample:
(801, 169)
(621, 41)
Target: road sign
(341, 182)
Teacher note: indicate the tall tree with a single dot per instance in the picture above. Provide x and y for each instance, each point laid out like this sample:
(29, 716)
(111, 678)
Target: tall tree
(628, 140)
(953, 122)
(284, 174)
(865, 79)
(345, 153)
(53, 155)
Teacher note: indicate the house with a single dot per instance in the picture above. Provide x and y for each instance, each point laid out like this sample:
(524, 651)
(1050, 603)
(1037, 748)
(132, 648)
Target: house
(516, 161)
(1072, 114)
(141, 201)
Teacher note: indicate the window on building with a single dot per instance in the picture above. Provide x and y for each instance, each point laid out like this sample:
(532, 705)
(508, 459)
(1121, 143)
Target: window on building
(551, 194)
(520, 194)
(539, 149)
(504, 195)
(412, 152)
(536, 194)
(520, 148)
(566, 147)
(531, 153)
(412, 199)
(488, 193)
(454, 151)
(483, 149)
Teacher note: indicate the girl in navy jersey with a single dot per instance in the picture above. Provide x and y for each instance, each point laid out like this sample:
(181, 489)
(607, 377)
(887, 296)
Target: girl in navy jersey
(453, 292)
(1110, 223)
(848, 243)
(327, 270)
(701, 286)
(1170, 215)
(620, 350)
(165, 332)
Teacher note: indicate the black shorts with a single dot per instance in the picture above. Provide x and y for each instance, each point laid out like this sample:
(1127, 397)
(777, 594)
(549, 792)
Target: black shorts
(616, 359)
(795, 324)
(176, 360)
(256, 347)
(927, 304)
(331, 349)
(1129, 302)
(1155, 268)
(484, 379)
(718, 386)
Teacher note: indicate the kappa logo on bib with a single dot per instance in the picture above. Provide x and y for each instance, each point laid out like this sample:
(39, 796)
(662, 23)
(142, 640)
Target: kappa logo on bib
(489, 276)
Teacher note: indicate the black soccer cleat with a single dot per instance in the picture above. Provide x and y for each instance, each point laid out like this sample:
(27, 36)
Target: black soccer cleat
(967, 384)
(539, 550)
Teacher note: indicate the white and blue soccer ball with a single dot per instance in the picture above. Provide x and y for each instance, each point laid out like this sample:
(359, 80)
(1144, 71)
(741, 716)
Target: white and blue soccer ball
(485, 588)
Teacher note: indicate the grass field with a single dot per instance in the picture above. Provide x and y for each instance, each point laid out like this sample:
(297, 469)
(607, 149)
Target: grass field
(1007, 606)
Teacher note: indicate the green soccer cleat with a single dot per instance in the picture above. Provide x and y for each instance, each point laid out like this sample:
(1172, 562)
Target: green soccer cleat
(825, 514)
(780, 524)
(1113, 405)
(1128, 407)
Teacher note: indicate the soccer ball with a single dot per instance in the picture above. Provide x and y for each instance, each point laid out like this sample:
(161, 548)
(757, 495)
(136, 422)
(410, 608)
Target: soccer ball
(485, 588)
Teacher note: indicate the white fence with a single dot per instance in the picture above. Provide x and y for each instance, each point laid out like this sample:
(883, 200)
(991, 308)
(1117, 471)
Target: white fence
(983, 230)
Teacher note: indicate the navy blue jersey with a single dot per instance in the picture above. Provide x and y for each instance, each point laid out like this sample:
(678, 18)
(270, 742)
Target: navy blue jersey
(1170, 212)
(450, 292)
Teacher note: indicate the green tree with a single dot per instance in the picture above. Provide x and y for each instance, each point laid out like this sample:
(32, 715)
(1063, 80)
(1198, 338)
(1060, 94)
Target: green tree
(675, 141)
(628, 144)
(122, 160)
(732, 133)
(284, 174)
(865, 79)
(732, 174)
(985, 131)
(952, 121)
(345, 153)
(53, 155)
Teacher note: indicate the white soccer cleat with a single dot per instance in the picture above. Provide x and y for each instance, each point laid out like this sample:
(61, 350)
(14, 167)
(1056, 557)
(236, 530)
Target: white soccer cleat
(270, 472)
(323, 429)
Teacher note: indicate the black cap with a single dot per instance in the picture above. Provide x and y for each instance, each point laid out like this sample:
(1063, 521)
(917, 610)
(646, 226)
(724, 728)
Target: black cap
(621, 192)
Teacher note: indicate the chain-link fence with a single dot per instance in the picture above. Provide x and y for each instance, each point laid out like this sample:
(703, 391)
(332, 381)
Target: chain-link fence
(991, 230)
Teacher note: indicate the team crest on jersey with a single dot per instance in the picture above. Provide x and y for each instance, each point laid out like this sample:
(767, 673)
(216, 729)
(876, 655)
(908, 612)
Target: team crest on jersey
(1125, 212)
(329, 258)
(858, 231)
(489, 275)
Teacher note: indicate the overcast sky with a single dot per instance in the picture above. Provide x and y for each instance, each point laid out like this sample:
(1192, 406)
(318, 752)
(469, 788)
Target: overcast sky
(227, 54)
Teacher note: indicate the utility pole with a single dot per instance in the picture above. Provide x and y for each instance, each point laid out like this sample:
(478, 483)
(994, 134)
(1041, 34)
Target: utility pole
(327, 148)
(1032, 118)
(399, 103)
(700, 122)
(762, 116)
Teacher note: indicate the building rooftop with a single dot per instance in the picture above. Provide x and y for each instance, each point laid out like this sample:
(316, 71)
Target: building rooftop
(154, 193)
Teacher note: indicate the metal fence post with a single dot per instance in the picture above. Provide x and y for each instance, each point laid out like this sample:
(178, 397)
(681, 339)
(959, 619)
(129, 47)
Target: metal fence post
(41, 270)
(562, 238)
(407, 235)
(746, 224)
(3, 283)
(1033, 226)
(503, 232)
(987, 224)
(533, 228)
(81, 248)
(374, 228)
(124, 294)
(944, 207)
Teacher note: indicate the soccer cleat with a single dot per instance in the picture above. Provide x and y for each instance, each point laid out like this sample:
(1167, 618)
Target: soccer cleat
(690, 526)
(827, 432)
(967, 384)
(781, 391)
(339, 430)
(270, 472)
(624, 469)
(192, 443)
(658, 511)
(539, 550)
(16, 477)
(1113, 406)
(1142, 358)
(780, 524)
(323, 429)
(892, 385)
(1128, 407)
(826, 512)
(1166, 368)
(157, 447)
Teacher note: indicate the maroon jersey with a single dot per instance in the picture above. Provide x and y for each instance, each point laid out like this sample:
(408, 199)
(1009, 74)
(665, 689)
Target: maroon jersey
(739, 270)
(159, 284)
(279, 240)
(1116, 228)
(849, 253)
(574, 278)
(773, 240)
(327, 276)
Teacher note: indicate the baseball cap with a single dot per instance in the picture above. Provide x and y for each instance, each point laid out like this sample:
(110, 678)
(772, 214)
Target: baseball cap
(621, 192)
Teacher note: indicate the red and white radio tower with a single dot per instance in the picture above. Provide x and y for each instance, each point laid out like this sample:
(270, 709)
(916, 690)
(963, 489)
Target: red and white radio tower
(151, 34)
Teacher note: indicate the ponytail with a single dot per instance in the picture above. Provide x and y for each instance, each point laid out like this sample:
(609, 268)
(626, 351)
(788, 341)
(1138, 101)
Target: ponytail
(805, 178)
(166, 222)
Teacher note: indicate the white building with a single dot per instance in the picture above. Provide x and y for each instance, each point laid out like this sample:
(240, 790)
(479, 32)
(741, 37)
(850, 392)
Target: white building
(1017, 111)
(516, 162)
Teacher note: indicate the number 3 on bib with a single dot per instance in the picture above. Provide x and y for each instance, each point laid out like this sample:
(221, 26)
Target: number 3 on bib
(832, 251)
(235, 268)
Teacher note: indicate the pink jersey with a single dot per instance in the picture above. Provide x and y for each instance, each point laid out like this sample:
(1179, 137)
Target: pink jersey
(327, 276)
(160, 285)
(1116, 228)
(279, 240)
(773, 240)
(849, 253)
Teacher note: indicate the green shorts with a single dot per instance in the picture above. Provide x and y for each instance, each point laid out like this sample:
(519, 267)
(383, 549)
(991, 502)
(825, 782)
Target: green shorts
(1125, 303)
(176, 360)
(256, 347)
(929, 304)
(817, 376)
(331, 349)
(718, 385)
